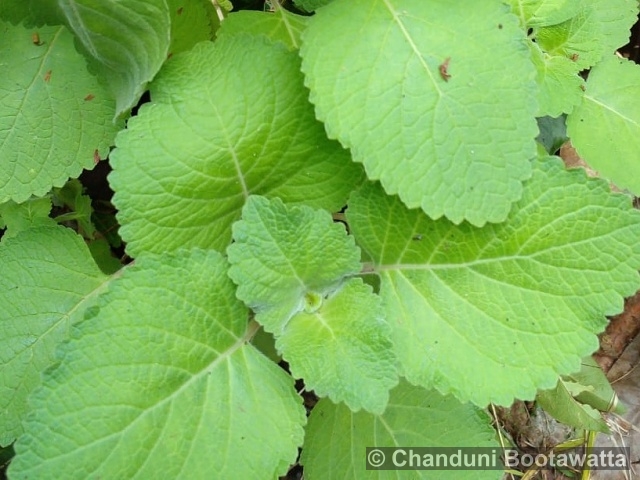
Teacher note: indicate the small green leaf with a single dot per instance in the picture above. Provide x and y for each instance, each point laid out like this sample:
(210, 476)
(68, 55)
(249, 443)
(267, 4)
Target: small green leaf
(343, 349)
(600, 395)
(553, 133)
(289, 264)
(161, 383)
(285, 258)
(519, 302)
(72, 196)
(540, 13)
(561, 404)
(579, 38)
(187, 162)
(559, 82)
(336, 438)
(101, 253)
(417, 100)
(129, 40)
(605, 127)
(48, 281)
(279, 26)
(311, 5)
(16, 217)
(52, 112)
(192, 21)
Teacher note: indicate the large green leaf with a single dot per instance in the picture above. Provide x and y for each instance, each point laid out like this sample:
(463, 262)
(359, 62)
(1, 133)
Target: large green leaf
(48, 281)
(337, 438)
(605, 127)
(129, 39)
(419, 90)
(52, 112)
(290, 264)
(519, 302)
(161, 383)
(186, 164)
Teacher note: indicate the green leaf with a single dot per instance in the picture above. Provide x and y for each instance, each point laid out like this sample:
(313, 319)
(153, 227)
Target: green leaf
(336, 438)
(562, 405)
(192, 21)
(279, 26)
(48, 281)
(615, 17)
(283, 255)
(605, 127)
(289, 264)
(161, 383)
(30, 12)
(553, 133)
(52, 112)
(519, 302)
(376, 71)
(579, 38)
(128, 39)
(16, 217)
(539, 13)
(186, 164)
(600, 395)
(559, 82)
(102, 255)
(343, 349)
(311, 5)
(72, 196)
(598, 29)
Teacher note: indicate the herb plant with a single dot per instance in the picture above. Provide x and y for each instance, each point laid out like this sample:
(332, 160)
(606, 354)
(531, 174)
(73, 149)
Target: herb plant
(469, 266)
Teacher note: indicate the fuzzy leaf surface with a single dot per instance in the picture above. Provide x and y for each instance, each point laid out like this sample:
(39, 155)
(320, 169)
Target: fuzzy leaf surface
(289, 263)
(279, 26)
(343, 349)
(519, 302)
(54, 115)
(605, 127)
(161, 383)
(48, 281)
(280, 259)
(129, 40)
(186, 164)
(336, 438)
(421, 106)
(616, 17)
